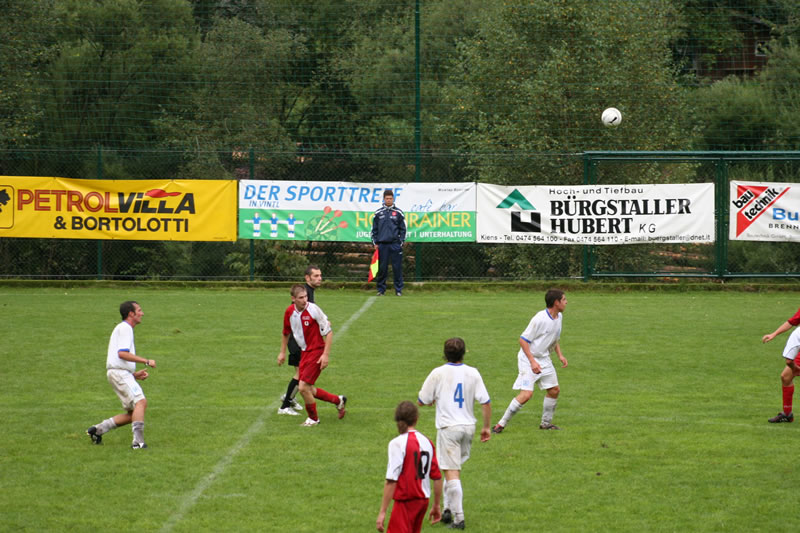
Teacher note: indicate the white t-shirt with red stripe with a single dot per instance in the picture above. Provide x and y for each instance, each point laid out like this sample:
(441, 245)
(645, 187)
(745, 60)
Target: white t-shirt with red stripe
(412, 463)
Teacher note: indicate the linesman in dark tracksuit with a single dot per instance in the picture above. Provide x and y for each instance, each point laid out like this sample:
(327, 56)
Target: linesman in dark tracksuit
(388, 236)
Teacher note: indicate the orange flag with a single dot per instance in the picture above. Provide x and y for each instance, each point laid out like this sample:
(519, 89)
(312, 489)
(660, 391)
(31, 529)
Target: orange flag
(373, 267)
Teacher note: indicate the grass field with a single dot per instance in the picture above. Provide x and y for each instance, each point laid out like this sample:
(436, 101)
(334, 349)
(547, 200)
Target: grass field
(663, 409)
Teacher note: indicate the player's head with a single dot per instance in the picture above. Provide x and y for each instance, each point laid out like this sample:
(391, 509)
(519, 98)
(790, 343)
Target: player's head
(454, 350)
(313, 276)
(130, 309)
(388, 197)
(299, 296)
(552, 296)
(406, 416)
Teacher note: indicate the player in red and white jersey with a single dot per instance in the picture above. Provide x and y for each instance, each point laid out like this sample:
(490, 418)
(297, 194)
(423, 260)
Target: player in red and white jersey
(412, 464)
(312, 331)
(792, 368)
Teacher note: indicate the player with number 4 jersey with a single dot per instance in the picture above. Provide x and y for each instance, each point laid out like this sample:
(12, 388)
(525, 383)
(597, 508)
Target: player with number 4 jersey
(455, 387)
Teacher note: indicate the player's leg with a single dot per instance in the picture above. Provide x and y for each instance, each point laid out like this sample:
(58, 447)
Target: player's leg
(383, 267)
(137, 424)
(338, 401)
(129, 393)
(524, 384)
(549, 383)
(787, 390)
(397, 267)
(289, 404)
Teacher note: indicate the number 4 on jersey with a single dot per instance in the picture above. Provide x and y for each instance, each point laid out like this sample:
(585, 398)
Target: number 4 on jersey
(458, 395)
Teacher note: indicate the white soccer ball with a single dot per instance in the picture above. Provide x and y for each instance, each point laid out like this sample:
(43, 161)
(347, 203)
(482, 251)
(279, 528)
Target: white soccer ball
(611, 117)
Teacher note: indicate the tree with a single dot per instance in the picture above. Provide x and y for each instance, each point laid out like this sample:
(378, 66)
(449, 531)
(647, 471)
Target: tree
(25, 47)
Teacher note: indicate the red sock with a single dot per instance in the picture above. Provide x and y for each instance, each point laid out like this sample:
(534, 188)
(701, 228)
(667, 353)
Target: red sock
(311, 409)
(326, 396)
(788, 392)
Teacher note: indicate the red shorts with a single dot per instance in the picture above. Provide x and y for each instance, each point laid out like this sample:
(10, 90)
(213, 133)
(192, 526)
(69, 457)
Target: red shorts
(309, 368)
(407, 516)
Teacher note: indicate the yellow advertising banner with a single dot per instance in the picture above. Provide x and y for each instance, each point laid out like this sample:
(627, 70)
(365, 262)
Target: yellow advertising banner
(147, 210)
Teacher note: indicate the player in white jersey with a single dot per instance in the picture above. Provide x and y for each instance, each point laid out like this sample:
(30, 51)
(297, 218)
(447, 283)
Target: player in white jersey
(539, 339)
(455, 387)
(122, 375)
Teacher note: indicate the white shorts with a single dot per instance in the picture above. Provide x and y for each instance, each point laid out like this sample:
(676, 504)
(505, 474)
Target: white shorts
(547, 379)
(453, 445)
(126, 387)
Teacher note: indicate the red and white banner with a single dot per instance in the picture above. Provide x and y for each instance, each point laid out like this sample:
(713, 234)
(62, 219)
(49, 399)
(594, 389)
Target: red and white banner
(764, 211)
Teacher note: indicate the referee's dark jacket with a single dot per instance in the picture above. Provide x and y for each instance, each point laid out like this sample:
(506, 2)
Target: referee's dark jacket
(389, 225)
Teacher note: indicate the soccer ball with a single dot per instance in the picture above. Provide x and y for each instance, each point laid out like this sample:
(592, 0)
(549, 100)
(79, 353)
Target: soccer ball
(611, 117)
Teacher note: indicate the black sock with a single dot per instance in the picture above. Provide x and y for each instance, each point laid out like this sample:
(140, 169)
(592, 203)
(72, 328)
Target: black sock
(287, 400)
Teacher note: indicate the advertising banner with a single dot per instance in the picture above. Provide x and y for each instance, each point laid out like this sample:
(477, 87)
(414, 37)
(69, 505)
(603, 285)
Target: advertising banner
(165, 210)
(764, 211)
(596, 214)
(342, 211)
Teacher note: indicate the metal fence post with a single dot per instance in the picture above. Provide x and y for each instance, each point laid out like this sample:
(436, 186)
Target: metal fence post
(99, 241)
(417, 128)
(589, 176)
(252, 241)
(721, 209)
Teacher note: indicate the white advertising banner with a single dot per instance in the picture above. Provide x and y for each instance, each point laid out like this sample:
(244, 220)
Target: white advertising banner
(764, 211)
(596, 214)
(343, 211)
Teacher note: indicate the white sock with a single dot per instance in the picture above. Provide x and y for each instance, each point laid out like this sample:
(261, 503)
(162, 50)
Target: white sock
(513, 408)
(548, 409)
(455, 498)
(138, 432)
(444, 495)
(105, 426)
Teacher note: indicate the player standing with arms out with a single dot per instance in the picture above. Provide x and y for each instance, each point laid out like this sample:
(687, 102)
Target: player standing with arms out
(792, 368)
(388, 236)
(310, 327)
(122, 375)
(455, 387)
(290, 405)
(412, 464)
(534, 364)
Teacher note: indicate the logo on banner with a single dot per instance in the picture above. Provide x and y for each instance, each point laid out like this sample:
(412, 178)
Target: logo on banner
(6, 207)
(752, 201)
(517, 224)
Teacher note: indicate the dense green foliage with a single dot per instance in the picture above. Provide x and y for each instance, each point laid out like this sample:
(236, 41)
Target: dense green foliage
(502, 92)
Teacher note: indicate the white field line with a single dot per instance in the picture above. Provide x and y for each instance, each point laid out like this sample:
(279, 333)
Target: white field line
(191, 498)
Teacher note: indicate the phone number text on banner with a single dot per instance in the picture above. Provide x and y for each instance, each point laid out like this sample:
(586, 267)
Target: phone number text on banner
(596, 214)
(170, 210)
(343, 211)
(764, 211)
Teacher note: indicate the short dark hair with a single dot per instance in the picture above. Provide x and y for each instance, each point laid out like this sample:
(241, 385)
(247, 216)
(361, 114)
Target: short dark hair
(126, 308)
(552, 296)
(297, 289)
(406, 415)
(454, 350)
(311, 268)
(388, 192)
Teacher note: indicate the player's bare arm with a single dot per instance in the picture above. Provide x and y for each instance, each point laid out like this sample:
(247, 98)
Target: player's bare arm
(526, 349)
(324, 359)
(282, 352)
(786, 326)
(561, 357)
(128, 356)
